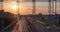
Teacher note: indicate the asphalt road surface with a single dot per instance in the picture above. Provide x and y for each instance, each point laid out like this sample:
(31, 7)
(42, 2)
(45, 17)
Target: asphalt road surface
(30, 24)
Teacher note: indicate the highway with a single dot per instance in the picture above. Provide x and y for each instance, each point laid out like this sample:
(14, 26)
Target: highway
(40, 27)
(30, 24)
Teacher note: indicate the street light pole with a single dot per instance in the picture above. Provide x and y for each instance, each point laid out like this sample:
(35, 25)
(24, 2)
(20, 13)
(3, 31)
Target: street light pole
(49, 7)
(33, 11)
(54, 7)
(1, 4)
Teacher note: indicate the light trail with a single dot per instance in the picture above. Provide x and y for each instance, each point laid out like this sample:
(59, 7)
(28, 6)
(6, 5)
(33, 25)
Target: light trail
(22, 26)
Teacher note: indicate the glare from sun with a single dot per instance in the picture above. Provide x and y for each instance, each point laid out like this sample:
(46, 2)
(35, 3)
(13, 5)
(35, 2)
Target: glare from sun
(21, 8)
(14, 7)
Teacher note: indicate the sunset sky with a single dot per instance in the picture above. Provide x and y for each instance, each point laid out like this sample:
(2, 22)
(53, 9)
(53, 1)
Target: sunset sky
(25, 6)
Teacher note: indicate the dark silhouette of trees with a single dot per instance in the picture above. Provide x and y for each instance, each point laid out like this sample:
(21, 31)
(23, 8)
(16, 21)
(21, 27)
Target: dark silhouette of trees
(6, 17)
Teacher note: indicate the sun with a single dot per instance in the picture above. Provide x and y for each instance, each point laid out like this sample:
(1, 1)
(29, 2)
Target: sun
(14, 7)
